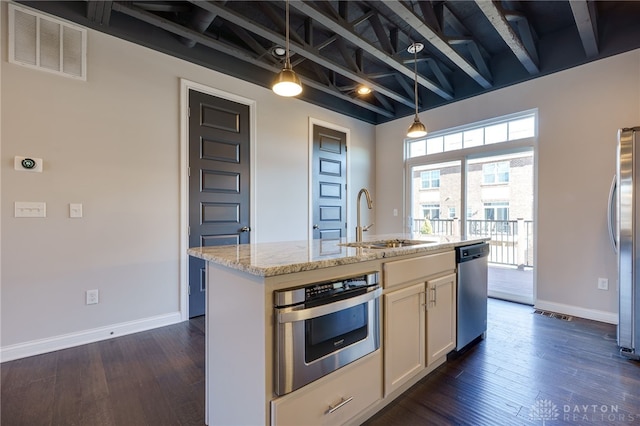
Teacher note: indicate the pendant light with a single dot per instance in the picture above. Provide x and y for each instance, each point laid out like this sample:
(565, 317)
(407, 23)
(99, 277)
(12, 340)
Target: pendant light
(287, 82)
(417, 129)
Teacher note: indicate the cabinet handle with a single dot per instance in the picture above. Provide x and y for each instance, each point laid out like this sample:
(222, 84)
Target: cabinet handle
(435, 293)
(338, 406)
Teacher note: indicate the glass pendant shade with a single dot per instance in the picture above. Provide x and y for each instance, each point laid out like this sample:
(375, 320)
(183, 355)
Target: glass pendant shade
(287, 82)
(417, 129)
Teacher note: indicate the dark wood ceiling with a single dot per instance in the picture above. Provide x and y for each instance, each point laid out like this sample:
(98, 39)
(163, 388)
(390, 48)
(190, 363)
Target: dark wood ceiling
(470, 46)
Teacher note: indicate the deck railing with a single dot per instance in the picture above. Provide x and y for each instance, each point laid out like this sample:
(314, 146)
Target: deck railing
(511, 240)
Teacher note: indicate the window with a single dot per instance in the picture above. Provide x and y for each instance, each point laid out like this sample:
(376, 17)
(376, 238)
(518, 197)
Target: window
(452, 212)
(496, 215)
(496, 211)
(431, 211)
(430, 179)
(504, 129)
(495, 172)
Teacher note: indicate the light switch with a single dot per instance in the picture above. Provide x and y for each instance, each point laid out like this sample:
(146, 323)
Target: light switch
(30, 209)
(75, 210)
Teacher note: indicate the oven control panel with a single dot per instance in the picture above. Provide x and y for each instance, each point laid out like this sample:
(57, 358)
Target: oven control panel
(326, 289)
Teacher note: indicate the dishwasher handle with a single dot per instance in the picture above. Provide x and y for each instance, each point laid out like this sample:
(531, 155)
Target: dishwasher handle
(473, 252)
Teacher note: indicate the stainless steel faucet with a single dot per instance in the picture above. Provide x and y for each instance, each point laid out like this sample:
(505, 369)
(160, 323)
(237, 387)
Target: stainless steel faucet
(359, 228)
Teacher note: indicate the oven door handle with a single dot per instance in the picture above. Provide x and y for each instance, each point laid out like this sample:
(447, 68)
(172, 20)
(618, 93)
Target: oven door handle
(330, 308)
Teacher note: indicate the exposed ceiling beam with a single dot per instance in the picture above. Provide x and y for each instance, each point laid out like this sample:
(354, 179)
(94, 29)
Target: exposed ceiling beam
(308, 52)
(584, 13)
(340, 27)
(437, 41)
(501, 25)
(99, 11)
(473, 46)
(174, 28)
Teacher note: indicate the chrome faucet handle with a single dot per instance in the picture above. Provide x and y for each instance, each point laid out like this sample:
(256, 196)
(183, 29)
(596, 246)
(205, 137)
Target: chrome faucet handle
(366, 228)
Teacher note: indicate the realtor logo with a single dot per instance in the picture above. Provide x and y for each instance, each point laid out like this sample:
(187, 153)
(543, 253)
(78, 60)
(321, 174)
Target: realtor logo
(544, 410)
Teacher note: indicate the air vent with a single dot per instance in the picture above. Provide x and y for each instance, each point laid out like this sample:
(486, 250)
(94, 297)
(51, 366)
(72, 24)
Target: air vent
(553, 315)
(45, 43)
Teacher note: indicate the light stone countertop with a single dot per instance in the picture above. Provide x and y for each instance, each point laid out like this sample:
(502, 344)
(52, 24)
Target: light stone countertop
(279, 258)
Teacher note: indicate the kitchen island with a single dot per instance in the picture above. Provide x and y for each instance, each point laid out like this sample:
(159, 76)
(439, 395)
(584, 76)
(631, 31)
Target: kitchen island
(240, 324)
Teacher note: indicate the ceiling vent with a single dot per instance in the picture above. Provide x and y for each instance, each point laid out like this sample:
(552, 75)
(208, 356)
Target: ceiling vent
(45, 43)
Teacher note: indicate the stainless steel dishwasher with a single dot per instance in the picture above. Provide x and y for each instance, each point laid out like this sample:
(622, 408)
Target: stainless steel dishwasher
(472, 292)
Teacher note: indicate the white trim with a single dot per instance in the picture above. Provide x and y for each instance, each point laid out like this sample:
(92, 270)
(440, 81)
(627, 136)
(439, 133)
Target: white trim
(577, 311)
(185, 85)
(347, 132)
(50, 344)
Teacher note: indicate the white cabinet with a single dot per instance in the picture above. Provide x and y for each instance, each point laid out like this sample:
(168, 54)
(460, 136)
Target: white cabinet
(441, 317)
(334, 399)
(404, 335)
(419, 315)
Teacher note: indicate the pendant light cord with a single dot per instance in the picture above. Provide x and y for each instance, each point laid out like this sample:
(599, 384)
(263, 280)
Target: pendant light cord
(415, 80)
(287, 61)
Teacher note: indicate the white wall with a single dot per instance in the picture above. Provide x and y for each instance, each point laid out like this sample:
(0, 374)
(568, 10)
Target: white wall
(580, 111)
(112, 143)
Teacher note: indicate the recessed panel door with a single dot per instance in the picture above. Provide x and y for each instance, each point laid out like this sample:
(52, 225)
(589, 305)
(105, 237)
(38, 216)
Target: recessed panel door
(329, 183)
(218, 182)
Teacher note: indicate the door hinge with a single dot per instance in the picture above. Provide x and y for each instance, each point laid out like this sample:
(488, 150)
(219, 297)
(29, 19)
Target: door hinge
(189, 289)
(189, 230)
(189, 111)
(188, 171)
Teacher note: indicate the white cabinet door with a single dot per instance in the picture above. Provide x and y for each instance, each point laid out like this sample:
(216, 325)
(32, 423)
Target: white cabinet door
(441, 317)
(404, 335)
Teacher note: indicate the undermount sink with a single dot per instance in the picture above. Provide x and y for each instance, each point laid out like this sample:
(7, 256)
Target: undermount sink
(386, 244)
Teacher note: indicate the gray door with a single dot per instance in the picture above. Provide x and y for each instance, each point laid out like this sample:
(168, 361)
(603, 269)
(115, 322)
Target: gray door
(218, 182)
(329, 183)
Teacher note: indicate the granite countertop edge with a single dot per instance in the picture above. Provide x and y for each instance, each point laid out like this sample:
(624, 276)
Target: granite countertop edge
(272, 259)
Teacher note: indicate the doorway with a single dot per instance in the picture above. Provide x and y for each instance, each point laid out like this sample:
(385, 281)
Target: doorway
(500, 206)
(478, 182)
(329, 183)
(217, 181)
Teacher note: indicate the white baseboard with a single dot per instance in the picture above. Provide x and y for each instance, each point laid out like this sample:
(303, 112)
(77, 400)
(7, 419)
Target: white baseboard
(576, 311)
(50, 344)
(511, 297)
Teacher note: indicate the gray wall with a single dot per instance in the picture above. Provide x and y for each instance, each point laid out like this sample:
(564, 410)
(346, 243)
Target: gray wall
(112, 143)
(580, 111)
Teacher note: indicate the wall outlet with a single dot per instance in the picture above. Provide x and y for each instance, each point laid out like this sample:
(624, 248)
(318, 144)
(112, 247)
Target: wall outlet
(603, 284)
(92, 297)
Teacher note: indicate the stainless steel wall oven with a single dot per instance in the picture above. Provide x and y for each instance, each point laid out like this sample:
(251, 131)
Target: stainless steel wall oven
(324, 326)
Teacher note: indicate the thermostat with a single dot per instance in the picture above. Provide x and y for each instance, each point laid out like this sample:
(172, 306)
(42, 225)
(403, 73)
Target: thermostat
(28, 164)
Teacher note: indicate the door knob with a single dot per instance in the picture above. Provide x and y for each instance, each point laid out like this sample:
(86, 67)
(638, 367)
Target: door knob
(316, 227)
(245, 229)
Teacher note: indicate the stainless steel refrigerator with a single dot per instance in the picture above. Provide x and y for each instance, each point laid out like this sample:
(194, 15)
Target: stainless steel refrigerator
(624, 221)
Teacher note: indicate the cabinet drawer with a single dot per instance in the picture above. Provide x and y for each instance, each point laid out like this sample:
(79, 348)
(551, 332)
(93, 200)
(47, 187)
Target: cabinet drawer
(410, 270)
(310, 405)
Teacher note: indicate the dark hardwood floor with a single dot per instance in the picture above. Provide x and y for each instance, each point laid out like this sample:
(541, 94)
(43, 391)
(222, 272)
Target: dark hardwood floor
(531, 369)
(150, 378)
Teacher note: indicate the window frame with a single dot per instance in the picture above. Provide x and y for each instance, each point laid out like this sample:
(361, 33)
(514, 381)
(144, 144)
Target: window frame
(459, 132)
